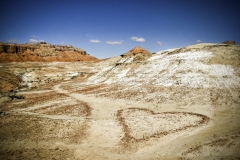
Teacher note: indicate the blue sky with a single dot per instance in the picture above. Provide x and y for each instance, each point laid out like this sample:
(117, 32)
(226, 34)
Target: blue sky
(107, 28)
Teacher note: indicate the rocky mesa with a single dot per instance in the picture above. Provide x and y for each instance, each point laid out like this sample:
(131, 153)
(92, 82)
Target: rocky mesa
(42, 52)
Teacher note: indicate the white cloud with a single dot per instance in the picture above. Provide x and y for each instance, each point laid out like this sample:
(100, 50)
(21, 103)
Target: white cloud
(95, 41)
(137, 39)
(199, 41)
(35, 40)
(159, 43)
(115, 42)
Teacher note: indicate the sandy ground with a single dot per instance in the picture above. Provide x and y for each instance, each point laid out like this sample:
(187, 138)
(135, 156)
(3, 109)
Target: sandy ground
(57, 123)
(170, 106)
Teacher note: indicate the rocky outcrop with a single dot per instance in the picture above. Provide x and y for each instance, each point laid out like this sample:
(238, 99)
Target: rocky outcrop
(229, 42)
(137, 55)
(42, 52)
(137, 50)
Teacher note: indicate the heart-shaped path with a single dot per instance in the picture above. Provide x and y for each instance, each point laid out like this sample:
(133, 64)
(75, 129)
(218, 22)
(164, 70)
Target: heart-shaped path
(141, 124)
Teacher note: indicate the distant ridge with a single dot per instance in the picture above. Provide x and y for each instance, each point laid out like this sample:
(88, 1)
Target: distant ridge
(42, 52)
(229, 42)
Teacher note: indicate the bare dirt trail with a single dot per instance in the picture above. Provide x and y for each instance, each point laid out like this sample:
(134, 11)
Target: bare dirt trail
(101, 107)
(83, 126)
(110, 133)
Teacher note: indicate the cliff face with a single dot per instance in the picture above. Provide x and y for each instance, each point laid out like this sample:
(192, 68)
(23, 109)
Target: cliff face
(42, 52)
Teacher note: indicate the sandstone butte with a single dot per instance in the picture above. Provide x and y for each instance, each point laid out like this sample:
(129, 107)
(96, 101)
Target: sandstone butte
(137, 50)
(42, 52)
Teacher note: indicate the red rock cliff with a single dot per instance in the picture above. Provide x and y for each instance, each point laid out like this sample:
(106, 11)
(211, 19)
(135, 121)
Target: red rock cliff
(42, 52)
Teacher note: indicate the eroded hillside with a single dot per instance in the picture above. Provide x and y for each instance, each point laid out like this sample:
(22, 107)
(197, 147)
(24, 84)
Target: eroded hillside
(175, 104)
